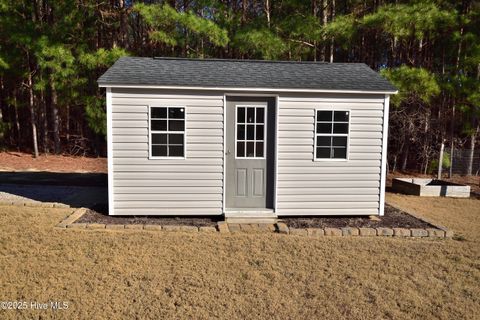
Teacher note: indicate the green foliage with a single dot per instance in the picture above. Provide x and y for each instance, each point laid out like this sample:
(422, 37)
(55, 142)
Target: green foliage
(414, 84)
(3, 63)
(299, 26)
(446, 163)
(410, 20)
(95, 115)
(166, 21)
(101, 58)
(261, 43)
(57, 59)
(344, 29)
(4, 127)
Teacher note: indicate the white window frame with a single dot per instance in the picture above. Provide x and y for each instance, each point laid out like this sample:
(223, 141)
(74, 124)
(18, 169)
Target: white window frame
(332, 134)
(150, 131)
(255, 133)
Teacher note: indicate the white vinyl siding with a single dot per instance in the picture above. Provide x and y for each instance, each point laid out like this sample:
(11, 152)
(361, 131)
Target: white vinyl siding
(167, 186)
(194, 185)
(348, 187)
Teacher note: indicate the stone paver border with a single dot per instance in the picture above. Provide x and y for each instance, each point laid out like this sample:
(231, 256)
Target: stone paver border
(436, 231)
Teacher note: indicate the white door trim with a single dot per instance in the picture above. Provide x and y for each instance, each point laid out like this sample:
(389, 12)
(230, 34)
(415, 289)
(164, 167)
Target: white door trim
(275, 168)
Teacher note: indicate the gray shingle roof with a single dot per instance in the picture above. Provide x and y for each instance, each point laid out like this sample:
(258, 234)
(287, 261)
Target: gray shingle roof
(244, 74)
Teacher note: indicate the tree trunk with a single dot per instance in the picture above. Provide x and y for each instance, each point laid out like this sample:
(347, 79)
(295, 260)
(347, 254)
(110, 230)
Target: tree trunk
(33, 120)
(406, 150)
(55, 117)
(67, 123)
(1, 101)
(471, 153)
(323, 50)
(452, 143)
(267, 12)
(244, 11)
(440, 161)
(332, 41)
(123, 24)
(314, 13)
(457, 65)
(44, 122)
(17, 121)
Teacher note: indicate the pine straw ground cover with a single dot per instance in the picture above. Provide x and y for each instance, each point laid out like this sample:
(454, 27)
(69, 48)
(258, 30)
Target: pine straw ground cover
(160, 275)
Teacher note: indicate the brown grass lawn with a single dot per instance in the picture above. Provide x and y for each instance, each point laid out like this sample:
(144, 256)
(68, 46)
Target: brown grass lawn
(141, 274)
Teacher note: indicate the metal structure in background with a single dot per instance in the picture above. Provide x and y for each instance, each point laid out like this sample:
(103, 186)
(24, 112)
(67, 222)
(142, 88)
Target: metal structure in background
(461, 158)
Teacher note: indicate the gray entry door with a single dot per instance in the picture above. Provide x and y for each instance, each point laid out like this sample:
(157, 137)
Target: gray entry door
(248, 155)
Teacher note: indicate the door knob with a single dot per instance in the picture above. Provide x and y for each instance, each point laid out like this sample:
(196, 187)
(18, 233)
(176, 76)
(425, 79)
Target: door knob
(228, 152)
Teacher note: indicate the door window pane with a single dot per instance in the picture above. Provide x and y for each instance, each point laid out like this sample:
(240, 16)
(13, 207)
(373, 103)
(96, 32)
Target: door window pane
(250, 149)
(240, 132)
(250, 132)
(260, 115)
(241, 115)
(250, 115)
(240, 149)
(259, 149)
(260, 129)
(251, 135)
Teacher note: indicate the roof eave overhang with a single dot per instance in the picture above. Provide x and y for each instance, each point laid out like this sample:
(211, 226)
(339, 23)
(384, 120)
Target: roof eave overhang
(231, 89)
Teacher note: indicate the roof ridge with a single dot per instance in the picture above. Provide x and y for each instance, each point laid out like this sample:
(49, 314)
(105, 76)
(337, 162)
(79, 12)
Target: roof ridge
(250, 60)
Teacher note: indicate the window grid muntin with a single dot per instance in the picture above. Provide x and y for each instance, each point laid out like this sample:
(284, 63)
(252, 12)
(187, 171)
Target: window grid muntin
(331, 135)
(167, 133)
(245, 124)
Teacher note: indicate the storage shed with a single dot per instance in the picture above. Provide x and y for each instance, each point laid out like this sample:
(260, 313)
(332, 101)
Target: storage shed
(244, 138)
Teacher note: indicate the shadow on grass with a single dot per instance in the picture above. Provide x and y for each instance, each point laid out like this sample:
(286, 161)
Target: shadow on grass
(75, 189)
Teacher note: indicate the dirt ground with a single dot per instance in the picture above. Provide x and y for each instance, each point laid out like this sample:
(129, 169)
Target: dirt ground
(160, 275)
(18, 161)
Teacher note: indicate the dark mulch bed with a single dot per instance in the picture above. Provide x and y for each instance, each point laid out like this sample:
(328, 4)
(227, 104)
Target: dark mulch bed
(92, 216)
(393, 218)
